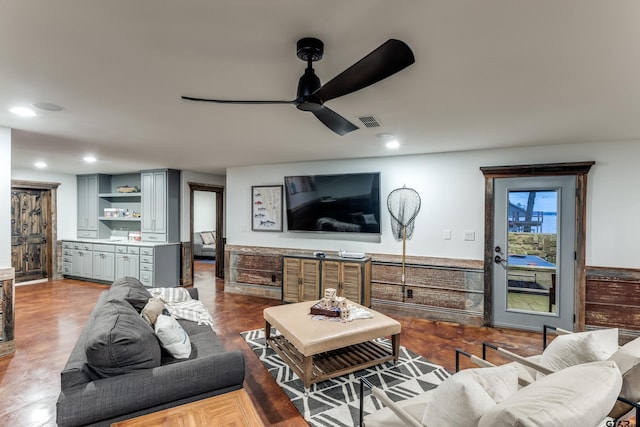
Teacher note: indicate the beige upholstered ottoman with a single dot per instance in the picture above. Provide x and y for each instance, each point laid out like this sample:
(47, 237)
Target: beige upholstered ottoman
(317, 350)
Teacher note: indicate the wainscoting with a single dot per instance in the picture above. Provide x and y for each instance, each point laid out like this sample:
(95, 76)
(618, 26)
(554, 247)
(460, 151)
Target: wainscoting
(613, 299)
(442, 289)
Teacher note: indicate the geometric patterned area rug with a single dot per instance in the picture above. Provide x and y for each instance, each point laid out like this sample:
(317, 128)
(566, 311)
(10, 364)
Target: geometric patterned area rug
(336, 402)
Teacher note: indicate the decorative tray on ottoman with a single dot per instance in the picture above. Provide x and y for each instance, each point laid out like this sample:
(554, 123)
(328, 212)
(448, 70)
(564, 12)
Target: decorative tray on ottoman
(331, 312)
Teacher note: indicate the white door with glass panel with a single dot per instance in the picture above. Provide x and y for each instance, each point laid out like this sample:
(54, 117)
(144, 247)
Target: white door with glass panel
(534, 252)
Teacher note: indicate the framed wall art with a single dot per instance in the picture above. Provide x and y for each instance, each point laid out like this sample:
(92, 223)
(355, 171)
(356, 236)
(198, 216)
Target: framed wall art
(266, 208)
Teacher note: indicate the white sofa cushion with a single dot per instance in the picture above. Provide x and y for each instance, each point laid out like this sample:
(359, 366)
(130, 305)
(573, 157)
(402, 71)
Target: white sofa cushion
(580, 395)
(628, 360)
(463, 398)
(413, 406)
(581, 347)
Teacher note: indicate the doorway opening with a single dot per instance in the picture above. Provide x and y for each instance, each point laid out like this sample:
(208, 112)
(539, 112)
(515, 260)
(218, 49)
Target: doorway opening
(206, 230)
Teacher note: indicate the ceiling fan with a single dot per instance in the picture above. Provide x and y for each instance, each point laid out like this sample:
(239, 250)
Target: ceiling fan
(389, 58)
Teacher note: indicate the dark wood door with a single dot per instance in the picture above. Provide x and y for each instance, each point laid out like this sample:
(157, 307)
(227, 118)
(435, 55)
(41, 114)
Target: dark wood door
(29, 233)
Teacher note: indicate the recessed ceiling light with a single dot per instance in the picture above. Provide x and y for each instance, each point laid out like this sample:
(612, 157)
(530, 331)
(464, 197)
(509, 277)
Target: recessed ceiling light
(390, 141)
(23, 111)
(392, 144)
(89, 159)
(40, 165)
(47, 106)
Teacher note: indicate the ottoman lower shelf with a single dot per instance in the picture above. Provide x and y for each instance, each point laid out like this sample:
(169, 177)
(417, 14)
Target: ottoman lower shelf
(334, 363)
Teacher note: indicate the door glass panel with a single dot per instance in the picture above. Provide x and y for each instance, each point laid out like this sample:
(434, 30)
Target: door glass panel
(532, 250)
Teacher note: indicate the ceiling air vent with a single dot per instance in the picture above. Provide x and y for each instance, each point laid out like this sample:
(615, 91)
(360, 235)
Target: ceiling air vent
(369, 121)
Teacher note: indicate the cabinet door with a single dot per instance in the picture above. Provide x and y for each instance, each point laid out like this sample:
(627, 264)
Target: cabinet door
(345, 278)
(76, 263)
(154, 202)
(331, 277)
(103, 266)
(88, 203)
(300, 280)
(86, 260)
(127, 265)
(291, 280)
(310, 280)
(147, 214)
(351, 279)
(160, 202)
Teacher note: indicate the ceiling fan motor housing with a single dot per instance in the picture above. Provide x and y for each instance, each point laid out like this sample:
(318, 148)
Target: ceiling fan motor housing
(310, 49)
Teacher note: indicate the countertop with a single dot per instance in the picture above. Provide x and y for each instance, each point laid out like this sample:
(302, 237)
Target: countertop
(122, 242)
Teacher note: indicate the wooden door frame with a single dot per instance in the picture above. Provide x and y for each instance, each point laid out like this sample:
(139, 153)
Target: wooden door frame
(580, 170)
(220, 241)
(51, 217)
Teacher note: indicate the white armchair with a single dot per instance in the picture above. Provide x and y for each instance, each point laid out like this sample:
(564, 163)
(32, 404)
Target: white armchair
(562, 386)
(489, 397)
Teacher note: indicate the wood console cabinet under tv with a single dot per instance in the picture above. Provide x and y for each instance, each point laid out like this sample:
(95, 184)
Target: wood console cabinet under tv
(304, 278)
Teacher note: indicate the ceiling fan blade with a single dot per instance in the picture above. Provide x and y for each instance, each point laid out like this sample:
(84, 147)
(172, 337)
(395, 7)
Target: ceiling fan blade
(228, 101)
(334, 121)
(391, 57)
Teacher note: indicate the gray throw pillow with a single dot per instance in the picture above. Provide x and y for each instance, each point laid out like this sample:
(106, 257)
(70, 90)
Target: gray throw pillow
(120, 341)
(130, 289)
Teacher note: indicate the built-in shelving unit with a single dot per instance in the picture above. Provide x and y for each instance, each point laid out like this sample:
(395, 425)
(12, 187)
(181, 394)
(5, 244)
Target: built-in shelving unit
(152, 212)
(110, 198)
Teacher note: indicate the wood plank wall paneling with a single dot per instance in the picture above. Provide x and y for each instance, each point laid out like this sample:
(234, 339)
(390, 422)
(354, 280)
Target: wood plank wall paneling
(613, 299)
(443, 289)
(7, 295)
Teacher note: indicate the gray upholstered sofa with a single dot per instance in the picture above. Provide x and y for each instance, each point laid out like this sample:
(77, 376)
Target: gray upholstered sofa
(201, 248)
(118, 370)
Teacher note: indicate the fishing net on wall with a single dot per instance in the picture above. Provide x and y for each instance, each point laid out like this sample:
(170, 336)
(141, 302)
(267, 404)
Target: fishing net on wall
(404, 205)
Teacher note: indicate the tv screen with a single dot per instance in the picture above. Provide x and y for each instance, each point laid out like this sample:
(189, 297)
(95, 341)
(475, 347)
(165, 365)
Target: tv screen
(333, 203)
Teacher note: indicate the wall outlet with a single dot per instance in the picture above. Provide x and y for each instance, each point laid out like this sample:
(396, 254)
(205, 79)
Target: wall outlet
(446, 234)
(409, 293)
(469, 236)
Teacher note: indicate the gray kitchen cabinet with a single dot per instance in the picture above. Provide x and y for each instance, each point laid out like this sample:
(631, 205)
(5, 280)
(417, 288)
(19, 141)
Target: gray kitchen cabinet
(155, 265)
(103, 263)
(78, 259)
(160, 191)
(88, 188)
(158, 266)
(127, 262)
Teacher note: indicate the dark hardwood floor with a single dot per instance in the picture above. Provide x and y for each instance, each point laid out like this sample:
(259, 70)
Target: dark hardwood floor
(49, 317)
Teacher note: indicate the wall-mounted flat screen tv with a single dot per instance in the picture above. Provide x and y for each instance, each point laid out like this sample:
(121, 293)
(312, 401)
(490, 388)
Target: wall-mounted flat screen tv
(333, 203)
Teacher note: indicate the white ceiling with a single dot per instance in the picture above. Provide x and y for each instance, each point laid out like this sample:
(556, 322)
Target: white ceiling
(491, 73)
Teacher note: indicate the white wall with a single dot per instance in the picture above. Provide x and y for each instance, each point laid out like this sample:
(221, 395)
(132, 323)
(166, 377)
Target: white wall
(452, 190)
(185, 210)
(5, 194)
(67, 197)
(204, 211)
